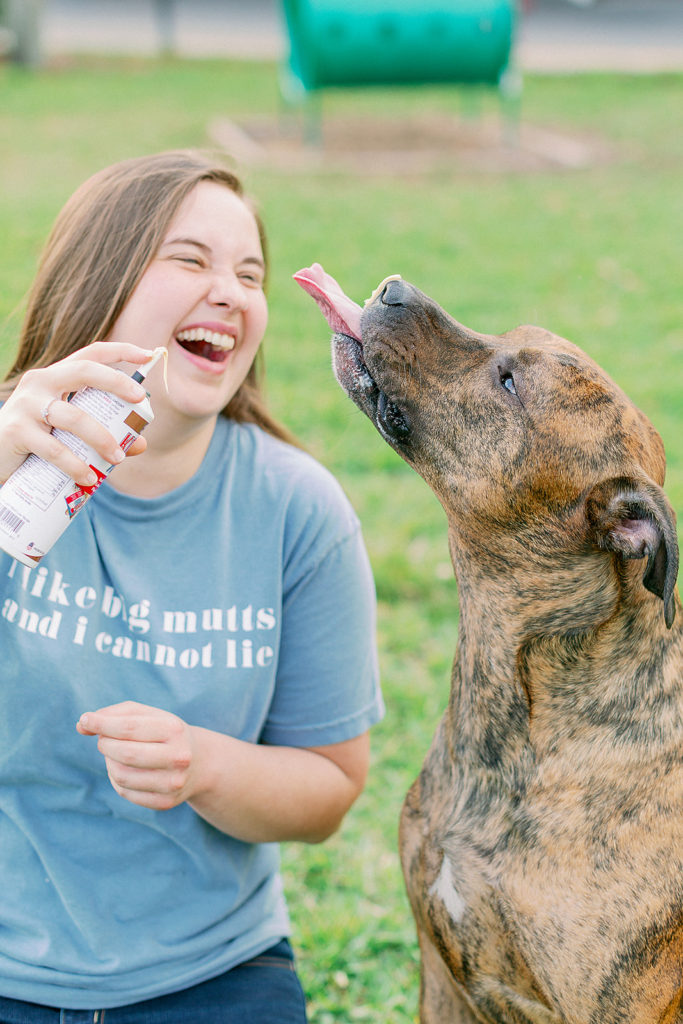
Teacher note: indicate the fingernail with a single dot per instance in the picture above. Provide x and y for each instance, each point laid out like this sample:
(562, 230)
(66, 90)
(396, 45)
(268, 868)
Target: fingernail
(138, 390)
(83, 720)
(89, 479)
(118, 457)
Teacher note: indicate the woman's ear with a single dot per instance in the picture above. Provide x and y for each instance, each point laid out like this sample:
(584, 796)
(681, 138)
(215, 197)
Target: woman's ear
(632, 517)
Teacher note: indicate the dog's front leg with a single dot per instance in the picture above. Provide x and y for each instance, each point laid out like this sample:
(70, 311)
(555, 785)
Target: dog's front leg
(440, 1001)
(489, 1001)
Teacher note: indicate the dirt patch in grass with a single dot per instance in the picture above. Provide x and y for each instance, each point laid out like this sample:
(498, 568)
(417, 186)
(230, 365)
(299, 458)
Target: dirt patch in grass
(405, 146)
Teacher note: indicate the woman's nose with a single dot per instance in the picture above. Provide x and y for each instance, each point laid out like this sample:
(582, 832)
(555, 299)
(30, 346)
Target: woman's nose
(227, 290)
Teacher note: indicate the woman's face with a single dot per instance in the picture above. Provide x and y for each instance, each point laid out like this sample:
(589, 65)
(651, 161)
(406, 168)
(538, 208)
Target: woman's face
(201, 298)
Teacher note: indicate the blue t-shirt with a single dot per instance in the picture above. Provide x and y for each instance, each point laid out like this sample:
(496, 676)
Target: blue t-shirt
(243, 602)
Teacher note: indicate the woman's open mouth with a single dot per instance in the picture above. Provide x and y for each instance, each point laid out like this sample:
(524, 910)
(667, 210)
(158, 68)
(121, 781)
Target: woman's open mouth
(212, 345)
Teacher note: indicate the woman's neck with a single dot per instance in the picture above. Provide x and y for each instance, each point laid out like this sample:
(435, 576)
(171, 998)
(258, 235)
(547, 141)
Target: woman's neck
(170, 459)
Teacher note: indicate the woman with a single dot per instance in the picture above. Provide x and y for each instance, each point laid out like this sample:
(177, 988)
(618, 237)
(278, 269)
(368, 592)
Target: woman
(189, 674)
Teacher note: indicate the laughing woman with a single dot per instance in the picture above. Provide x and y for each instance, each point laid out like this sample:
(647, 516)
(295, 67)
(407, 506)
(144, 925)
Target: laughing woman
(189, 675)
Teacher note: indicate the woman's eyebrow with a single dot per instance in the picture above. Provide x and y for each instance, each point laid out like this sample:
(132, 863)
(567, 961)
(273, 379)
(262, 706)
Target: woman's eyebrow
(186, 241)
(256, 260)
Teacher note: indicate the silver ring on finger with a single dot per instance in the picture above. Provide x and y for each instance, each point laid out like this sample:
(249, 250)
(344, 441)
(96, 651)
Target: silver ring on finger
(45, 413)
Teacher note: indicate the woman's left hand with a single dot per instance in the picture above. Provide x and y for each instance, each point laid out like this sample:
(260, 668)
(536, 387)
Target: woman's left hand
(252, 791)
(148, 752)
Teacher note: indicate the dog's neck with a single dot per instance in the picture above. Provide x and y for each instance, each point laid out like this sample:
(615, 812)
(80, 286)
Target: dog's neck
(555, 643)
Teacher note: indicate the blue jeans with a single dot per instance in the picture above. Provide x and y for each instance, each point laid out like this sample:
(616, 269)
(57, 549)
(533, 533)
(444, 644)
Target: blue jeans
(265, 990)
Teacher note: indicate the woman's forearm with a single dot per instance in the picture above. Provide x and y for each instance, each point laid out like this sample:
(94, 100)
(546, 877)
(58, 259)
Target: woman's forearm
(266, 794)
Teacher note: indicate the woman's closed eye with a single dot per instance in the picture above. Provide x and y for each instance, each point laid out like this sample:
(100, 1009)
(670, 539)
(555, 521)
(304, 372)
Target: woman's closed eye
(196, 261)
(253, 279)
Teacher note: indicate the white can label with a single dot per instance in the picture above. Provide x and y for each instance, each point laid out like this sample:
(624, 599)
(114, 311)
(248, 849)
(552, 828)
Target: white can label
(38, 501)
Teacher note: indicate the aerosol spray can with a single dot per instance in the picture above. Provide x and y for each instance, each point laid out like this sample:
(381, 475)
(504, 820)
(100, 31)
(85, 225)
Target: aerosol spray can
(38, 501)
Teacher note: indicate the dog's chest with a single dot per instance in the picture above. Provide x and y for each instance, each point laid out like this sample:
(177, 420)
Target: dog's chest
(569, 878)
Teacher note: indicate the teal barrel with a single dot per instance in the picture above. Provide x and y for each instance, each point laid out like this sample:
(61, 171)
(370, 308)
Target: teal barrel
(392, 42)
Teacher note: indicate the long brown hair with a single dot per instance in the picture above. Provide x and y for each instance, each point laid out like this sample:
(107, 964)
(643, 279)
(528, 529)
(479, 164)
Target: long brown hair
(101, 244)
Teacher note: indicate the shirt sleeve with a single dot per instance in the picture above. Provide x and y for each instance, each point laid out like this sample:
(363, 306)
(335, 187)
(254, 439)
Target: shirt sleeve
(327, 687)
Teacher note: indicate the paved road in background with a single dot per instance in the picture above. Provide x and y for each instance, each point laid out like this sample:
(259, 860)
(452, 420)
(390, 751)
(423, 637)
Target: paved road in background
(554, 35)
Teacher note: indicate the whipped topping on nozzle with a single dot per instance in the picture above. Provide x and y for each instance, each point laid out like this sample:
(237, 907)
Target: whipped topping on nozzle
(160, 352)
(341, 312)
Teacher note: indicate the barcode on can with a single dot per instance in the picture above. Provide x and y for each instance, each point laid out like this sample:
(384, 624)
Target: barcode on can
(10, 522)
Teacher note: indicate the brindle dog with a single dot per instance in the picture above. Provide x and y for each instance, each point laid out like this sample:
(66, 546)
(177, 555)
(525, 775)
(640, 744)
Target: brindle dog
(542, 843)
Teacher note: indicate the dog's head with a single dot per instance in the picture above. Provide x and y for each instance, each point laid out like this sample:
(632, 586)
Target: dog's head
(519, 435)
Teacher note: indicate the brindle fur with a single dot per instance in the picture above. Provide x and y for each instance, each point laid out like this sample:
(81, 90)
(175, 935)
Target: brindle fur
(542, 843)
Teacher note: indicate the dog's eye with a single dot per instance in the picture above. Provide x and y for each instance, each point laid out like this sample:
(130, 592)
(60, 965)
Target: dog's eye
(508, 381)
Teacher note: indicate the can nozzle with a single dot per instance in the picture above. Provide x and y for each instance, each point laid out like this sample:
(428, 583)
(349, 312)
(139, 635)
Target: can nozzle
(158, 353)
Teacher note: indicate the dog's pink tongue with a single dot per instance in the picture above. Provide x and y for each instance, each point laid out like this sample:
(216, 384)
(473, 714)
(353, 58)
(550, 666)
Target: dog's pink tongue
(341, 312)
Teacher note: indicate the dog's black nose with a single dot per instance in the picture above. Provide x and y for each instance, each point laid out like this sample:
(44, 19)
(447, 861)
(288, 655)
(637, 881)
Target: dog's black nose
(395, 293)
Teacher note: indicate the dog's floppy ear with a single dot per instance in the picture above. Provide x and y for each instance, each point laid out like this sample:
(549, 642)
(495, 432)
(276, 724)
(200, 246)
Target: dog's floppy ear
(632, 516)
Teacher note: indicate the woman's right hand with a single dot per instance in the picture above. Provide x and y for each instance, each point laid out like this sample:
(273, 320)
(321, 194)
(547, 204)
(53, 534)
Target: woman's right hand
(23, 428)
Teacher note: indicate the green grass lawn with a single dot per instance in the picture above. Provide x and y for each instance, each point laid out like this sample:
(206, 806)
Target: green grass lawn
(593, 254)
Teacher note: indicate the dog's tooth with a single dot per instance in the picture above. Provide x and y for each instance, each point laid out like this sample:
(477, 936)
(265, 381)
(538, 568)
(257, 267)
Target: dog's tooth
(380, 286)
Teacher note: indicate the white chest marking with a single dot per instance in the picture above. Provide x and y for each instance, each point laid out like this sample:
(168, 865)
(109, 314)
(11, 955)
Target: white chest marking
(444, 890)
